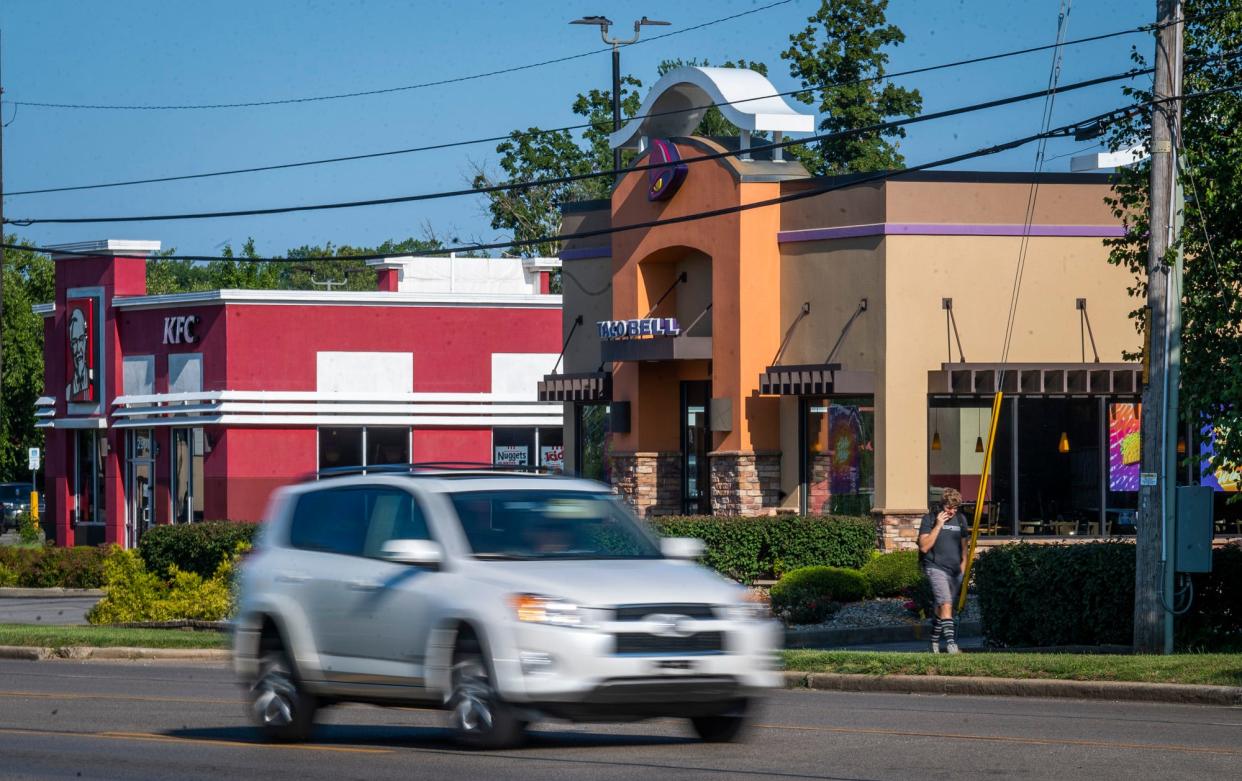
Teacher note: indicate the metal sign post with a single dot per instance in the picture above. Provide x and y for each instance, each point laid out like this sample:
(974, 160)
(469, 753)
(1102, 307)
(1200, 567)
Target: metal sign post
(35, 457)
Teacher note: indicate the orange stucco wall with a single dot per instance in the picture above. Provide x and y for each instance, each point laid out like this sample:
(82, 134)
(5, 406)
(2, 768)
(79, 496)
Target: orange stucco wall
(744, 256)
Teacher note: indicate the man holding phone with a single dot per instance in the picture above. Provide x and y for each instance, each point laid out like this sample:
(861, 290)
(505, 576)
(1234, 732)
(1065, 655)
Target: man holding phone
(942, 553)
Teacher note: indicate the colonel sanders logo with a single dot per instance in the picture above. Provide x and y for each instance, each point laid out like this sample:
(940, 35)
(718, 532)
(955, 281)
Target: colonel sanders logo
(80, 332)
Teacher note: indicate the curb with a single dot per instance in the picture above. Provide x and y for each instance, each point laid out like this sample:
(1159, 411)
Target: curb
(874, 635)
(80, 652)
(1186, 694)
(55, 592)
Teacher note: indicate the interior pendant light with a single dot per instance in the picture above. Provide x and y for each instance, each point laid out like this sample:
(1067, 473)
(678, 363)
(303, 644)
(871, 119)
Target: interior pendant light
(1181, 444)
(1063, 445)
(936, 434)
(979, 432)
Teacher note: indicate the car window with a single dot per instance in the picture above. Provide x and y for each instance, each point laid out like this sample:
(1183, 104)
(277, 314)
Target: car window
(394, 515)
(332, 520)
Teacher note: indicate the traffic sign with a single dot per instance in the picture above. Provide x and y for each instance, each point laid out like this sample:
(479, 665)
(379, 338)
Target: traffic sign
(35, 459)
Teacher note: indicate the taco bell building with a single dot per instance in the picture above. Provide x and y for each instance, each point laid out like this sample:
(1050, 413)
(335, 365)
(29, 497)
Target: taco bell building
(185, 407)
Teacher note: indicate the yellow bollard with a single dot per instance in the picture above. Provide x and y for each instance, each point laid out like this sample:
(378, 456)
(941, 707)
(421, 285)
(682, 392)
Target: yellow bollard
(34, 505)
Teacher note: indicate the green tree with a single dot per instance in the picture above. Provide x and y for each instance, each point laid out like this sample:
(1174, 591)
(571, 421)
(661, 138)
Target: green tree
(1211, 237)
(356, 274)
(840, 56)
(29, 278)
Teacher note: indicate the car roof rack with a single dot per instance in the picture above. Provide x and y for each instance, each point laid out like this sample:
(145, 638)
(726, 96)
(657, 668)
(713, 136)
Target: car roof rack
(425, 467)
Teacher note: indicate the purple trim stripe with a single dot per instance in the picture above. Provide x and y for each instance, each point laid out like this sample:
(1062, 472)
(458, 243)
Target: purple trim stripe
(583, 253)
(945, 229)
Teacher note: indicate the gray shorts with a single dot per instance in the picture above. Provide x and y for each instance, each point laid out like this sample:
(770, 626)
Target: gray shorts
(944, 586)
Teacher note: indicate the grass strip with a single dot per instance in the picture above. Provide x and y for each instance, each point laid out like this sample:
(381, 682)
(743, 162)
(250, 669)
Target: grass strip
(1212, 669)
(107, 636)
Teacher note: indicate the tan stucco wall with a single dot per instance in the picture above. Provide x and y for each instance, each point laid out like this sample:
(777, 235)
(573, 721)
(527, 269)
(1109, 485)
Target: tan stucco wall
(995, 202)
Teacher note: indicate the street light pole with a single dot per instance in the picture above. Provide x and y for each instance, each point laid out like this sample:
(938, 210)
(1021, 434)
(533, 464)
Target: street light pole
(604, 23)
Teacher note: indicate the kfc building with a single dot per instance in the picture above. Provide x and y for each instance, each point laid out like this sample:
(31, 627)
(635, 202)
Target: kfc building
(194, 406)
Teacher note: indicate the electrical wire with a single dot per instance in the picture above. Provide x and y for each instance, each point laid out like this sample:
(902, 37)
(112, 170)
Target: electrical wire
(520, 186)
(389, 90)
(839, 184)
(580, 126)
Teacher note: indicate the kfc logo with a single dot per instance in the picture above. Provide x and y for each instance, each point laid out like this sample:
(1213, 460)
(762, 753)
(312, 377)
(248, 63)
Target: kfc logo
(180, 330)
(80, 334)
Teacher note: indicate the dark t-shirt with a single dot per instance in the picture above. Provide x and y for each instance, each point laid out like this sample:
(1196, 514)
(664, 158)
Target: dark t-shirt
(946, 553)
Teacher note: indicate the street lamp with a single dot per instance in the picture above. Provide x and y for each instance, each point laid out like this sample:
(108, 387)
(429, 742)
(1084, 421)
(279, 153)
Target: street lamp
(604, 23)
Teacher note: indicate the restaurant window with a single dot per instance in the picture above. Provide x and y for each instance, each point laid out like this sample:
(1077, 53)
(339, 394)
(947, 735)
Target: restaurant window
(353, 446)
(594, 442)
(187, 474)
(89, 493)
(838, 465)
(520, 445)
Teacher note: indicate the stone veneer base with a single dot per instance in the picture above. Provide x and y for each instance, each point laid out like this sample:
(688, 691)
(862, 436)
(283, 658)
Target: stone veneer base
(649, 482)
(897, 529)
(745, 483)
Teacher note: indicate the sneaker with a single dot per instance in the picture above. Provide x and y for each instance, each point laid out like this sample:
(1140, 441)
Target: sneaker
(935, 646)
(953, 649)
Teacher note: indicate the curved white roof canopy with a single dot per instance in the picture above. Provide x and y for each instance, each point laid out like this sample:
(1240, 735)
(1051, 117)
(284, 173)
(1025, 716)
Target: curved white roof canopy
(696, 89)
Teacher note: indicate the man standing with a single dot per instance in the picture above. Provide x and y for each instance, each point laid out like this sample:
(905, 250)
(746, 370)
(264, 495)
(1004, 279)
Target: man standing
(942, 553)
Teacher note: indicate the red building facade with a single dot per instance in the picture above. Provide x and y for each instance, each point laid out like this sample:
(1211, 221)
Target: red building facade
(186, 407)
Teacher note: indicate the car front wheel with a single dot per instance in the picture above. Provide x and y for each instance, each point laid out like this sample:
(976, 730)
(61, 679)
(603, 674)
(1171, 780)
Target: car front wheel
(721, 728)
(279, 707)
(480, 718)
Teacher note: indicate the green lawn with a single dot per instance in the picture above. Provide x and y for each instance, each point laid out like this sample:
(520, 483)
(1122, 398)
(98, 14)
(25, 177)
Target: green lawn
(1216, 669)
(56, 636)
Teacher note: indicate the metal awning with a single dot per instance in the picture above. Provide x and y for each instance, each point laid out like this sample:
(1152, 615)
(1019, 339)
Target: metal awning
(676, 348)
(814, 380)
(585, 386)
(1037, 379)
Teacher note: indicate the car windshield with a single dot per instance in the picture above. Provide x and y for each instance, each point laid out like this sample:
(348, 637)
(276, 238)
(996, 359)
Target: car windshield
(544, 524)
(14, 492)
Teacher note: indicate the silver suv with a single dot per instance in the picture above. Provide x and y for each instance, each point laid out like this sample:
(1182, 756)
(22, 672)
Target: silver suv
(502, 597)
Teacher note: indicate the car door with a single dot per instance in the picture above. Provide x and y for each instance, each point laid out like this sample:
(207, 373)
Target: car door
(388, 605)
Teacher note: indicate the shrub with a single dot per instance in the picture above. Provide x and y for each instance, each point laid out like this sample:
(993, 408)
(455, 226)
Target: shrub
(134, 594)
(811, 594)
(7, 576)
(891, 574)
(1214, 621)
(1041, 595)
(45, 567)
(749, 548)
(192, 547)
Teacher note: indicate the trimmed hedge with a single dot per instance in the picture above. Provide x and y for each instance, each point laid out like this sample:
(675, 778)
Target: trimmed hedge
(1214, 621)
(893, 574)
(1042, 595)
(751, 548)
(44, 567)
(192, 547)
(811, 594)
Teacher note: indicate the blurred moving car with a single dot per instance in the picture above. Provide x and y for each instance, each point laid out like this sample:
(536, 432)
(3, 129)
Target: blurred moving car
(503, 597)
(14, 502)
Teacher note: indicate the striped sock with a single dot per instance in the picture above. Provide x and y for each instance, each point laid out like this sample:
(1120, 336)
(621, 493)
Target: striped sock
(936, 628)
(950, 632)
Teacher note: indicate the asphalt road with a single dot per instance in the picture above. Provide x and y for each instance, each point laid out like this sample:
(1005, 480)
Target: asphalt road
(45, 610)
(163, 721)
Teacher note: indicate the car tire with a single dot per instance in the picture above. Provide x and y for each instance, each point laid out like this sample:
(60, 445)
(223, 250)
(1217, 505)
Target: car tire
(479, 717)
(279, 706)
(721, 728)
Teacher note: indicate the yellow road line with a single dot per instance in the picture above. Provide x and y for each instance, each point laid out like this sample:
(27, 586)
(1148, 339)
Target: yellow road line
(121, 697)
(1008, 739)
(154, 738)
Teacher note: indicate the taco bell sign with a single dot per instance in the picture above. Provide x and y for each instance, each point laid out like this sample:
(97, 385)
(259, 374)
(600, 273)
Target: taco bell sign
(636, 329)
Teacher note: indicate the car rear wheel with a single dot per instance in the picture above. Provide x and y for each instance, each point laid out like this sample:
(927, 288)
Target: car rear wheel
(721, 728)
(480, 718)
(281, 710)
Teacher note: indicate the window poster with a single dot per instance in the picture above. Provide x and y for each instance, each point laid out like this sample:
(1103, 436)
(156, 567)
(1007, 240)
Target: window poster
(511, 455)
(552, 457)
(1124, 446)
(844, 444)
(80, 352)
(1217, 477)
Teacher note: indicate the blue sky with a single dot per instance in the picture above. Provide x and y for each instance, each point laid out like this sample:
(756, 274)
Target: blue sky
(140, 52)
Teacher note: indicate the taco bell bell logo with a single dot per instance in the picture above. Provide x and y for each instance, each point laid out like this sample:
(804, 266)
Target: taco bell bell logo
(667, 178)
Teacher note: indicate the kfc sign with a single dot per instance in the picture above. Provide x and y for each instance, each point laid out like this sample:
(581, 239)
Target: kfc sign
(80, 336)
(180, 330)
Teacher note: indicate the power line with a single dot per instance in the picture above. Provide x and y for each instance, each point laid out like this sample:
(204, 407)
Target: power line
(387, 90)
(583, 125)
(1063, 130)
(517, 186)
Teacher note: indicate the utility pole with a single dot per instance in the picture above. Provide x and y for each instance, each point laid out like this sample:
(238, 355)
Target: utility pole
(616, 43)
(1155, 551)
(2, 235)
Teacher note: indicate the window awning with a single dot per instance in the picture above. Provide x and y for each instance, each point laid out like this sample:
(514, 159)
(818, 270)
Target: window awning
(586, 386)
(814, 380)
(1037, 379)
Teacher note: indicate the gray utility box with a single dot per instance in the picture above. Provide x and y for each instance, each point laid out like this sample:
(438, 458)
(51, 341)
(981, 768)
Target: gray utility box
(1194, 529)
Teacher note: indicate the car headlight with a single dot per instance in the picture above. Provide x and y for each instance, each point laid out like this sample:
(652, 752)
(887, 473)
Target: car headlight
(540, 609)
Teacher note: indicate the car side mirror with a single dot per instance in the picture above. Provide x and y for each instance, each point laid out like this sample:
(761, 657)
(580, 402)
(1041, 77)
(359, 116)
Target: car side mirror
(423, 553)
(682, 547)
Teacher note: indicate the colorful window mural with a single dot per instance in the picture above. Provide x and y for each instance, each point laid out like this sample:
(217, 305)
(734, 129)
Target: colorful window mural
(1124, 446)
